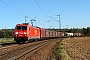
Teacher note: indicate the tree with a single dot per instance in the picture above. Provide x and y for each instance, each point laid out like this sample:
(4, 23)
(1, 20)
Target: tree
(2, 34)
(84, 32)
(88, 31)
(6, 33)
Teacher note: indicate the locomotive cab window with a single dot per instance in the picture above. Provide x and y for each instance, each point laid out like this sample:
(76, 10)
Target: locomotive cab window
(21, 28)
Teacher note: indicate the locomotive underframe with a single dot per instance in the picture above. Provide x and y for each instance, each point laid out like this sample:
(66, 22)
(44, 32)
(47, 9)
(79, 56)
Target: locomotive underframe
(20, 39)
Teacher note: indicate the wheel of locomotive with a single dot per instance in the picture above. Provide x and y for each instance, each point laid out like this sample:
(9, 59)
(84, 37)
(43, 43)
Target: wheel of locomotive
(36, 40)
(18, 42)
(24, 42)
(30, 41)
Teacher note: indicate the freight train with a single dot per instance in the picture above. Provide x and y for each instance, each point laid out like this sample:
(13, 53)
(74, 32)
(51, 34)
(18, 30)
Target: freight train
(25, 32)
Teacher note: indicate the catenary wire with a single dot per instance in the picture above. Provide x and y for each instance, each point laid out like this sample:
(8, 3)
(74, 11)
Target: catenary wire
(41, 9)
(12, 7)
(21, 7)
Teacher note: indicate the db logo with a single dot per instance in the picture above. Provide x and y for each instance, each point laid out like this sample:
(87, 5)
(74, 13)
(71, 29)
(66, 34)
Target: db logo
(35, 32)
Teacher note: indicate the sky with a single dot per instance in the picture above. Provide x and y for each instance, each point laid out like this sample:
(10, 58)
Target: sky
(73, 13)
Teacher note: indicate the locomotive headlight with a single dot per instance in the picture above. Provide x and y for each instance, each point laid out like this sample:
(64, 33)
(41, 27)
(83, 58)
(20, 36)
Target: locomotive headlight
(25, 33)
(16, 32)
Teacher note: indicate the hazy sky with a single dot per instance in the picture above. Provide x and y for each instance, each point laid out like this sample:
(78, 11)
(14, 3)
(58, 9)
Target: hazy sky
(74, 13)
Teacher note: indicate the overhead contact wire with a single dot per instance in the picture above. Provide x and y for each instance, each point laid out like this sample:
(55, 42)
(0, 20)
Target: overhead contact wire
(21, 7)
(41, 9)
(12, 7)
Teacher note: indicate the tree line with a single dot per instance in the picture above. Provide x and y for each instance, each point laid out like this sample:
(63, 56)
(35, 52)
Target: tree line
(9, 33)
(5, 33)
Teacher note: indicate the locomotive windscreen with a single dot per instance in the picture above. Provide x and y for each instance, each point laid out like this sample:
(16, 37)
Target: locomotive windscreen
(21, 28)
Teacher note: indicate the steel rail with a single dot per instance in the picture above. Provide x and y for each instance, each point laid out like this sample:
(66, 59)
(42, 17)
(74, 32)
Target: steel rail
(29, 52)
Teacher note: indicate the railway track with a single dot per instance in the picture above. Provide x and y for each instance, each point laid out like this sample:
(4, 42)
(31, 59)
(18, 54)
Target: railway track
(21, 52)
(7, 49)
(10, 51)
(29, 52)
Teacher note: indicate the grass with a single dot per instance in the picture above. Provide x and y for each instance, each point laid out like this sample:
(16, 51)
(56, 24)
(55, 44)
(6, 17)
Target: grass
(6, 40)
(60, 53)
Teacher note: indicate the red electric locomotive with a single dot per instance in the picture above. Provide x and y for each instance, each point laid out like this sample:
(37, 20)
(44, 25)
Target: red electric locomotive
(24, 32)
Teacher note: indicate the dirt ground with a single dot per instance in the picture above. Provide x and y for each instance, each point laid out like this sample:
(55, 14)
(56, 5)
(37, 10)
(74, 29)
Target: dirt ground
(78, 48)
(45, 52)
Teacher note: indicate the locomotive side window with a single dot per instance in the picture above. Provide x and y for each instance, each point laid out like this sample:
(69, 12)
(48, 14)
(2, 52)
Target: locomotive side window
(21, 27)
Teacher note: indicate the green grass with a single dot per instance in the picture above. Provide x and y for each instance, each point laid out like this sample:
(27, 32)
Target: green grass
(60, 53)
(6, 40)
